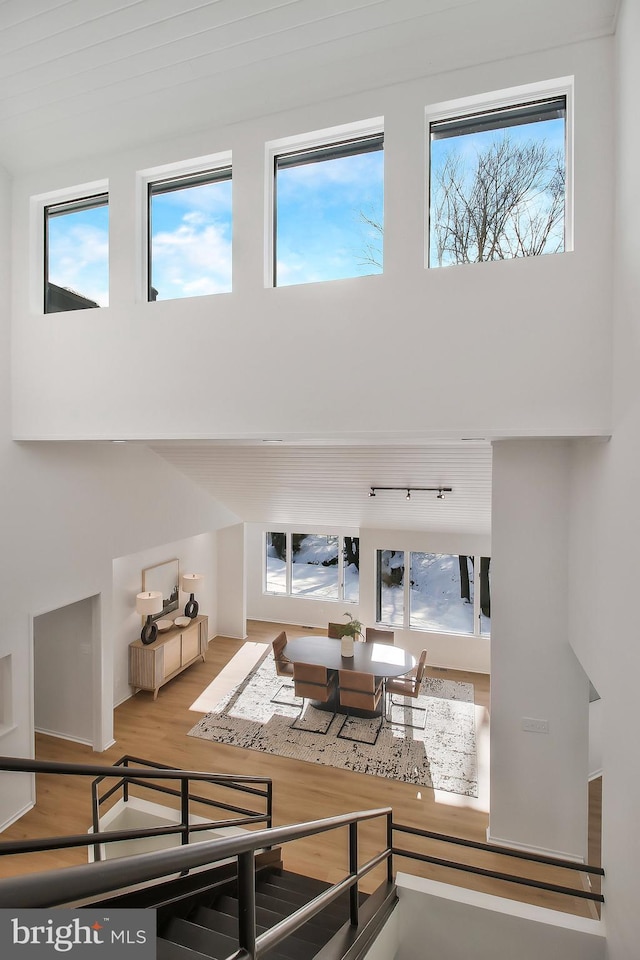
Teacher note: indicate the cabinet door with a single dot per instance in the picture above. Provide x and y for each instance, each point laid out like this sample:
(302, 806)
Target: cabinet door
(190, 643)
(171, 652)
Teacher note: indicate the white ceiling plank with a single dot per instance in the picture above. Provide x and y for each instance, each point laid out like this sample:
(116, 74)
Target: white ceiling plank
(330, 485)
(88, 70)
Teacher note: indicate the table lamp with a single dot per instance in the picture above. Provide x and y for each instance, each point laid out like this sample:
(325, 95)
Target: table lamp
(147, 604)
(190, 582)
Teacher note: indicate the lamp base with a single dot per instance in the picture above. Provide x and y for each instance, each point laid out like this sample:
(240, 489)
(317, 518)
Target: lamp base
(149, 631)
(191, 608)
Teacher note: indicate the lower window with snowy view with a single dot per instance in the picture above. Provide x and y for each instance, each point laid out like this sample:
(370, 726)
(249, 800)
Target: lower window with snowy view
(314, 566)
(442, 593)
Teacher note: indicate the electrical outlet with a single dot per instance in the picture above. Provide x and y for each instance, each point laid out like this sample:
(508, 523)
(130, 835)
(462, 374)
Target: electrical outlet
(535, 726)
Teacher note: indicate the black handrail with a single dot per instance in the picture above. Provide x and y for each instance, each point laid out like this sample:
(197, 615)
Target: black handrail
(132, 775)
(505, 852)
(55, 887)
(81, 883)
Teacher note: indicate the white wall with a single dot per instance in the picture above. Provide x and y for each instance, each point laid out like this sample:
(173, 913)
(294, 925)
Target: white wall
(464, 925)
(63, 651)
(606, 517)
(539, 781)
(444, 650)
(232, 605)
(66, 512)
(469, 345)
(195, 555)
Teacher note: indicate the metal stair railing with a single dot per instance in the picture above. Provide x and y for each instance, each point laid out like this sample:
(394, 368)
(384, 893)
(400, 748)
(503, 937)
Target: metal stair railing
(490, 848)
(75, 886)
(261, 787)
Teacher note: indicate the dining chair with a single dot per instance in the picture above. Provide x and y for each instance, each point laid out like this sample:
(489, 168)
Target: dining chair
(360, 690)
(408, 687)
(312, 681)
(284, 668)
(335, 630)
(374, 635)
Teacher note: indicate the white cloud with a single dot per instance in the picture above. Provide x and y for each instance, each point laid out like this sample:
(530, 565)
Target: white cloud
(193, 260)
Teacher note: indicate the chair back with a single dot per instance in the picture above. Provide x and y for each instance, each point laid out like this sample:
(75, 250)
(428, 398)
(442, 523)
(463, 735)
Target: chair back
(359, 690)
(312, 680)
(335, 630)
(278, 644)
(373, 635)
(422, 663)
(284, 667)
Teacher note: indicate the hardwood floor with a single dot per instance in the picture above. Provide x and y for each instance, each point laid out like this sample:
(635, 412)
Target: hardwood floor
(156, 730)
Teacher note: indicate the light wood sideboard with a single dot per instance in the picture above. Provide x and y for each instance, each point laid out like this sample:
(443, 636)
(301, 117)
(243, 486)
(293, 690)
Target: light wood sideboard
(153, 664)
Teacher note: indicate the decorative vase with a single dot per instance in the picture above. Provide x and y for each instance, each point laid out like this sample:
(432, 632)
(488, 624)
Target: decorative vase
(346, 646)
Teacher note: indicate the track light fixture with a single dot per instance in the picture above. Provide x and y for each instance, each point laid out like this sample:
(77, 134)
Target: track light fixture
(439, 491)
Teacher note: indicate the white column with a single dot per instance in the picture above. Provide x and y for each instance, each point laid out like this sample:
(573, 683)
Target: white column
(538, 779)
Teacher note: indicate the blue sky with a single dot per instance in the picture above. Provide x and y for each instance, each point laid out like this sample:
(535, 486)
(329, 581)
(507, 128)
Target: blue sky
(321, 234)
(191, 241)
(78, 247)
(320, 231)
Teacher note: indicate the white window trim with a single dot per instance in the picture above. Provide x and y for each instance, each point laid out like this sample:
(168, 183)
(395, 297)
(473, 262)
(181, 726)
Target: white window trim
(181, 168)
(37, 206)
(406, 599)
(288, 569)
(316, 138)
(498, 100)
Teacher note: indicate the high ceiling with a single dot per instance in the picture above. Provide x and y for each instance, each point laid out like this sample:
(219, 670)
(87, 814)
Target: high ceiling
(88, 76)
(84, 77)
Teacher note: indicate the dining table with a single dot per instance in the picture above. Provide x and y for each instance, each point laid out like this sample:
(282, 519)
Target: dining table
(381, 659)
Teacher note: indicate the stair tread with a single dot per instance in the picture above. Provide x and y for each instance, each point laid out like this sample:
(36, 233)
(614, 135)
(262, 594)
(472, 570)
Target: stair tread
(170, 950)
(296, 881)
(268, 918)
(203, 939)
(292, 949)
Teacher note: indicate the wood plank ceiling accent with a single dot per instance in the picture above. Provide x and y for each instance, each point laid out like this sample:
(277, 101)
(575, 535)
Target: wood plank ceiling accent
(82, 76)
(329, 485)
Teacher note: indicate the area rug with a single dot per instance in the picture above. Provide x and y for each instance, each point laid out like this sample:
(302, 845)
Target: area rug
(262, 713)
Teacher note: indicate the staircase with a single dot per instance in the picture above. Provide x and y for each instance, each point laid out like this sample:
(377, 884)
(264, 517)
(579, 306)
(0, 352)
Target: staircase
(209, 929)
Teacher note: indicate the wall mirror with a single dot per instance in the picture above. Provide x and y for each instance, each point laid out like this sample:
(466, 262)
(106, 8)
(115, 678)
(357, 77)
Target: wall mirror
(164, 577)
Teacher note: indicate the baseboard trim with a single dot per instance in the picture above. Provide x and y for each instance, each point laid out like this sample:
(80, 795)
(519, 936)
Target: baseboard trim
(530, 848)
(64, 736)
(16, 817)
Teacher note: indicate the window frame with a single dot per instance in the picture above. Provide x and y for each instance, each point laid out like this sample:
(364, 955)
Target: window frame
(56, 206)
(172, 184)
(164, 173)
(406, 598)
(288, 593)
(524, 95)
(313, 142)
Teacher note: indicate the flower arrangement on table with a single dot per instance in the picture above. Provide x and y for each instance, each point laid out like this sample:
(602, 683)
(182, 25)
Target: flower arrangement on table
(351, 631)
(353, 628)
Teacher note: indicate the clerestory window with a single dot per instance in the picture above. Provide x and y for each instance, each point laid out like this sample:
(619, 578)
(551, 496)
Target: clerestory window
(76, 254)
(498, 183)
(189, 241)
(328, 211)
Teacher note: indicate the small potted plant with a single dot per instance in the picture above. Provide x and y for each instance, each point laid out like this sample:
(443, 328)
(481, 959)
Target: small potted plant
(350, 632)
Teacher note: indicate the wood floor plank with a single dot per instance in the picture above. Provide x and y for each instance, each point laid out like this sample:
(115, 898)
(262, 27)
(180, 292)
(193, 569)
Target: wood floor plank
(157, 730)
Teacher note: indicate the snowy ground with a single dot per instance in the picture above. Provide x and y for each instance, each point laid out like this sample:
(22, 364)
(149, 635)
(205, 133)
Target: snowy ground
(434, 595)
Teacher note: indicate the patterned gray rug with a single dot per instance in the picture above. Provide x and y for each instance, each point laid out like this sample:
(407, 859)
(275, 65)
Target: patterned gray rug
(262, 713)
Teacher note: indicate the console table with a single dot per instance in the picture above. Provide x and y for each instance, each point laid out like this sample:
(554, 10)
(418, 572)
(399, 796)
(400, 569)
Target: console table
(153, 664)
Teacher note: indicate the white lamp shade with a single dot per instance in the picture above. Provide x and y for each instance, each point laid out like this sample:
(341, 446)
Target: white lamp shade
(191, 582)
(149, 603)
